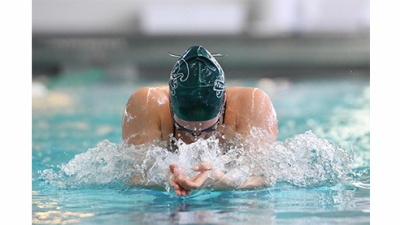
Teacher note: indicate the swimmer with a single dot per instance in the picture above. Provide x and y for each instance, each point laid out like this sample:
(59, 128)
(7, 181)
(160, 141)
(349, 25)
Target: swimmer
(197, 105)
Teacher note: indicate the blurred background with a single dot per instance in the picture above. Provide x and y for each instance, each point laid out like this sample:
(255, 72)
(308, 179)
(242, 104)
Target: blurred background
(125, 40)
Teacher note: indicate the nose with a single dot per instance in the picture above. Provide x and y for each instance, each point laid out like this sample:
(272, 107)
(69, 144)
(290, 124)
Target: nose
(190, 138)
(203, 135)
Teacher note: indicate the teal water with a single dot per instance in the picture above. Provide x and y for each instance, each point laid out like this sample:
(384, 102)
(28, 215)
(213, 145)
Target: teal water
(320, 163)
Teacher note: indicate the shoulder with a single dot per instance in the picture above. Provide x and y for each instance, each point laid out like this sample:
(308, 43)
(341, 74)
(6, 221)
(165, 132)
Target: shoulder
(251, 107)
(151, 91)
(150, 95)
(246, 94)
(148, 100)
(251, 102)
(147, 115)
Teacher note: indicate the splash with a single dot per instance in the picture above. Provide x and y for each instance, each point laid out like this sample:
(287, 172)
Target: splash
(303, 161)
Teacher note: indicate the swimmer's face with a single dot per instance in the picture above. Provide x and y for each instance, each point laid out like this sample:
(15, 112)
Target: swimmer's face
(190, 131)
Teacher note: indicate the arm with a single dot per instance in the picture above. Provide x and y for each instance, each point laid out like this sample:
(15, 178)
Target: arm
(256, 111)
(209, 177)
(146, 118)
(141, 122)
(252, 108)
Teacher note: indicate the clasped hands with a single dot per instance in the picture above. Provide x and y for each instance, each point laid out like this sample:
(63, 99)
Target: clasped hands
(206, 177)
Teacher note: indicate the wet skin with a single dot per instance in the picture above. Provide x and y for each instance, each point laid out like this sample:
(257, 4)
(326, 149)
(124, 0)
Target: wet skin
(147, 117)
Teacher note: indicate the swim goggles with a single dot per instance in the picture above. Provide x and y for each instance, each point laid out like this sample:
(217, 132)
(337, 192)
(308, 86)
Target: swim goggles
(197, 133)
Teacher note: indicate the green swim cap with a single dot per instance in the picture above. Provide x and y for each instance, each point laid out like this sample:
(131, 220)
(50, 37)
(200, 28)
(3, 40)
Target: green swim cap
(197, 86)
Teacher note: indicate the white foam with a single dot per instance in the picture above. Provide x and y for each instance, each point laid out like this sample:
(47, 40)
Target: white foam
(303, 161)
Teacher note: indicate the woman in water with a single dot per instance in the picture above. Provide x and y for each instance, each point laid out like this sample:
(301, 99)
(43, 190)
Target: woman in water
(197, 105)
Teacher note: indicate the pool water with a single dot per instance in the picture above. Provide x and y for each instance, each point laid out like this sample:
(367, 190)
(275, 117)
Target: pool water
(320, 164)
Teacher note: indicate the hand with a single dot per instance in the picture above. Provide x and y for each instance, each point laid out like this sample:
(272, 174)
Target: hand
(183, 185)
(179, 190)
(210, 177)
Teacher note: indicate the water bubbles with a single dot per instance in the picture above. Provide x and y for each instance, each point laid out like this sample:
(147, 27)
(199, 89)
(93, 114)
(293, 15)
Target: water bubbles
(304, 161)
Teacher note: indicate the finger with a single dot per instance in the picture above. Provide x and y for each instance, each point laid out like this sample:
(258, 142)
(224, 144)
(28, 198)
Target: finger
(179, 189)
(172, 167)
(171, 179)
(183, 184)
(174, 184)
(178, 192)
(175, 176)
(202, 178)
(183, 192)
(204, 166)
(193, 183)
